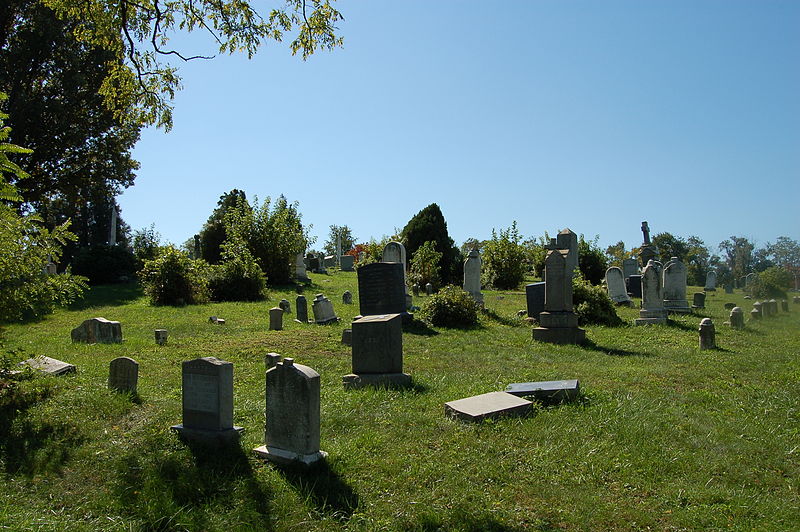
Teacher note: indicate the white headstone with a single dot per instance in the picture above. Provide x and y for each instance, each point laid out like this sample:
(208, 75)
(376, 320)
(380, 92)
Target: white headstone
(472, 276)
(615, 284)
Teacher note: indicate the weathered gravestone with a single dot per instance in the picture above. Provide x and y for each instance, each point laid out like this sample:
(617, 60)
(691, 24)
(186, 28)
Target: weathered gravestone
(674, 275)
(292, 430)
(285, 306)
(381, 289)
(472, 276)
(749, 279)
(547, 392)
(699, 300)
(323, 310)
(394, 252)
(756, 313)
(567, 240)
(49, 366)
(329, 261)
(728, 288)
(347, 297)
(207, 388)
(737, 318)
(558, 324)
(630, 267)
(773, 307)
(321, 267)
(707, 334)
(784, 305)
(347, 262)
(313, 263)
(615, 284)
(766, 309)
(633, 285)
(486, 406)
(534, 299)
(123, 375)
(347, 336)
(300, 272)
(377, 342)
(276, 319)
(161, 336)
(652, 310)
(98, 331)
(301, 305)
(711, 282)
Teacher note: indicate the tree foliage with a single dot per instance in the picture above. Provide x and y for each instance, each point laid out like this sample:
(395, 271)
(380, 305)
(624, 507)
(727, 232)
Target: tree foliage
(738, 255)
(429, 225)
(592, 261)
(214, 231)
(347, 239)
(503, 260)
(142, 79)
(172, 278)
(669, 246)
(425, 266)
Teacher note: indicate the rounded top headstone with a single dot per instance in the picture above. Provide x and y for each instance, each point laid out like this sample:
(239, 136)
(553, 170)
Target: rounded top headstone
(473, 253)
(706, 321)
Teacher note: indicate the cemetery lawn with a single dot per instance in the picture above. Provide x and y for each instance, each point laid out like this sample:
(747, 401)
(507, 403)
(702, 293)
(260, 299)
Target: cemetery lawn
(664, 437)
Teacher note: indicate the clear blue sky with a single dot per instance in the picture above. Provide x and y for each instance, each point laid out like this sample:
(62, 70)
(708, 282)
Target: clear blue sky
(582, 114)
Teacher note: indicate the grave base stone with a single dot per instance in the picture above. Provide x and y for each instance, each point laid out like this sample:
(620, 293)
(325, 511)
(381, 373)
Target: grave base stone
(559, 328)
(376, 380)
(487, 406)
(547, 392)
(284, 457)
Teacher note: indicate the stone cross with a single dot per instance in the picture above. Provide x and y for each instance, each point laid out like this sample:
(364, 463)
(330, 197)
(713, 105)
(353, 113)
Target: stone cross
(646, 232)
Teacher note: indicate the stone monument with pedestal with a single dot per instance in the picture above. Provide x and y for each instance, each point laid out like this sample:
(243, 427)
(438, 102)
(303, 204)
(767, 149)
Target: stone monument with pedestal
(653, 310)
(648, 251)
(323, 310)
(377, 344)
(558, 324)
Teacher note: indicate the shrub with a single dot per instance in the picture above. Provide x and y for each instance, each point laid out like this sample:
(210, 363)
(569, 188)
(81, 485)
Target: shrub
(450, 307)
(238, 277)
(425, 265)
(592, 304)
(591, 260)
(504, 260)
(772, 283)
(172, 278)
(104, 264)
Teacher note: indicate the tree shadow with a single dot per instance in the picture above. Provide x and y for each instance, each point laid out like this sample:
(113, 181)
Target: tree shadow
(503, 320)
(419, 328)
(613, 351)
(162, 489)
(108, 295)
(680, 325)
(465, 519)
(321, 485)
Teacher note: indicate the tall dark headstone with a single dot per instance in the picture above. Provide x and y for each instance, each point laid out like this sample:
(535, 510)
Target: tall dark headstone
(381, 288)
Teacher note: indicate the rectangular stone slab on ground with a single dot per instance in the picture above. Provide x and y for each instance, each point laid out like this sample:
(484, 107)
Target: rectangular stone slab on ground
(548, 392)
(487, 405)
(48, 365)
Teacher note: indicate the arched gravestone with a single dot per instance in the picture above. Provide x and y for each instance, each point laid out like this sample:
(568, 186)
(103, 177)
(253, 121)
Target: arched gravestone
(711, 282)
(472, 276)
(292, 433)
(615, 284)
(123, 375)
(653, 310)
(675, 287)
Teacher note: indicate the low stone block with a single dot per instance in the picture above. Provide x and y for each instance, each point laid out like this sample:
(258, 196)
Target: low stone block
(48, 365)
(548, 392)
(376, 380)
(347, 336)
(486, 406)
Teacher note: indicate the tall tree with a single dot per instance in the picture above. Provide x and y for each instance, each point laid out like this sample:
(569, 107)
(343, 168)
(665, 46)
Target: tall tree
(345, 236)
(669, 246)
(429, 225)
(214, 231)
(785, 252)
(738, 252)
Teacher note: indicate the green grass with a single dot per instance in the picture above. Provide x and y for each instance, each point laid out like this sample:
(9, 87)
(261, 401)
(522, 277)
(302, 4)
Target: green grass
(665, 437)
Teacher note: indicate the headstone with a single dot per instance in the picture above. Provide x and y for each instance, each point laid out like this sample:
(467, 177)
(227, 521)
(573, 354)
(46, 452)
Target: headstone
(377, 352)
(323, 310)
(766, 309)
(347, 336)
(292, 430)
(207, 387)
(773, 307)
(300, 272)
(728, 288)
(615, 284)
(123, 375)
(648, 250)
(161, 336)
(796, 300)
(51, 268)
(313, 263)
(707, 334)
(486, 406)
(98, 331)
(321, 267)
(329, 261)
(675, 274)
(347, 297)
(285, 306)
(534, 298)
(757, 312)
(633, 285)
(566, 239)
(652, 310)
(348, 262)
(558, 324)
(428, 289)
(699, 300)
(50, 366)
(784, 305)
(630, 267)
(472, 276)
(711, 281)
(394, 252)
(737, 318)
(415, 290)
(547, 392)
(301, 305)
(276, 319)
(381, 289)
(749, 279)
(729, 306)
(216, 320)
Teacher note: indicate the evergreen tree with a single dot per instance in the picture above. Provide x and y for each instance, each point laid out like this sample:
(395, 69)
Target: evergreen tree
(429, 225)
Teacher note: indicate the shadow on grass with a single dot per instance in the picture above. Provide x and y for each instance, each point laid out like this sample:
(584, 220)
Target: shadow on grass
(324, 488)
(419, 327)
(108, 295)
(460, 518)
(614, 351)
(29, 446)
(503, 320)
(682, 326)
(181, 489)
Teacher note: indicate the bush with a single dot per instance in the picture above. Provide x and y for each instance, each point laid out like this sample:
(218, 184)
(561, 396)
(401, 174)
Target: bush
(238, 278)
(592, 304)
(172, 278)
(425, 265)
(104, 264)
(772, 283)
(591, 260)
(504, 260)
(450, 307)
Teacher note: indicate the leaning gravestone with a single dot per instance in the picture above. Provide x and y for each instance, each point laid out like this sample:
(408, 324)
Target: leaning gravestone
(547, 392)
(472, 276)
(98, 331)
(487, 406)
(323, 310)
(534, 299)
(558, 323)
(377, 343)
(711, 282)
(653, 310)
(615, 284)
(292, 430)
(49, 366)
(630, 267)
(207, 388)
(301, 305)
(346, 263)
(381, 289)
(675, 287)
(707, 334)
(123, 375)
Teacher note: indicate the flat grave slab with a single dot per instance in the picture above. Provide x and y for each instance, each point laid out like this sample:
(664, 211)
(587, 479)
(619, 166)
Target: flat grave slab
(548, 392)
(487, 405)
(48, 365)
